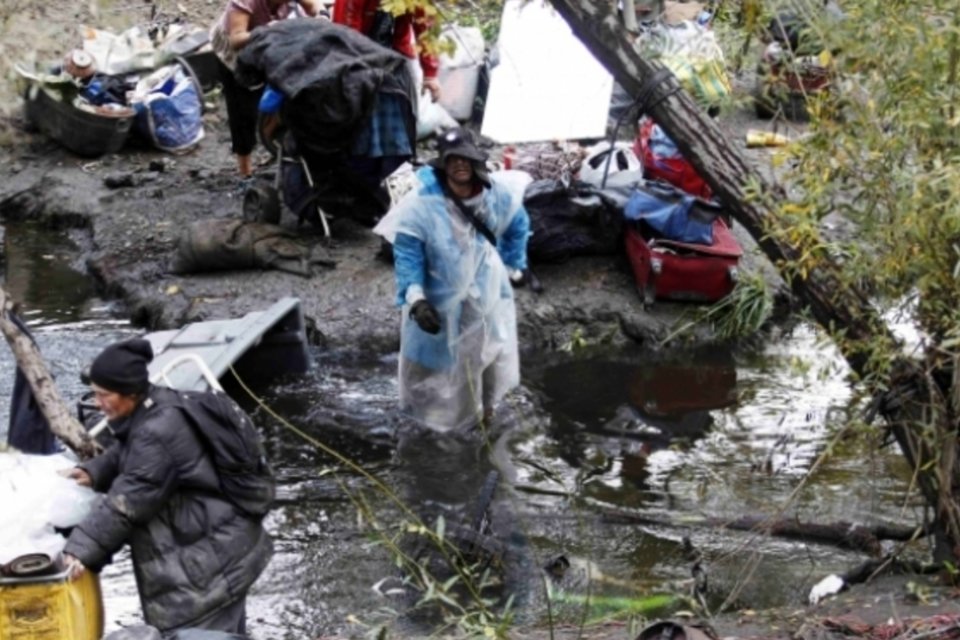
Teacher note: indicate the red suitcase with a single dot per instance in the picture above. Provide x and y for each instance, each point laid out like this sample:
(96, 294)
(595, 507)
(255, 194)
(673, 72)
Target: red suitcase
(667, 269)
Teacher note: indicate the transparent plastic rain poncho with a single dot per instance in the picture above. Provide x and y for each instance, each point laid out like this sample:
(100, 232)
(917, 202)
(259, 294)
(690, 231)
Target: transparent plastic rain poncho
(447, 380)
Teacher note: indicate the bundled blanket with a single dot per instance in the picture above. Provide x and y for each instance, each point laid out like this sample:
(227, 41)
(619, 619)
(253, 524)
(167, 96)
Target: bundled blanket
(332, 77)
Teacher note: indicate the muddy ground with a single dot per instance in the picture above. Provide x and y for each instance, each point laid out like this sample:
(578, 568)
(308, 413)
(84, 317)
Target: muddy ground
(131, 231)
(128, 233)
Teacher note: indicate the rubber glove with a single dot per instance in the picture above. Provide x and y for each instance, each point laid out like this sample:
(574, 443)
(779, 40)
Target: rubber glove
(425, 316)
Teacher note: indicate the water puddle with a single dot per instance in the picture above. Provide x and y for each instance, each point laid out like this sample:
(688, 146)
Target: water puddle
(670, 441)
(43, 272)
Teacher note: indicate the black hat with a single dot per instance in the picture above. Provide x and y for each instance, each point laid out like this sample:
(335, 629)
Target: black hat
(458, 142)
(122, 367)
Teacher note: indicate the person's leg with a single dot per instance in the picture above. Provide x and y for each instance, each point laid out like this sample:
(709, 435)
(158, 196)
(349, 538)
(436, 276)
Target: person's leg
(242, 104)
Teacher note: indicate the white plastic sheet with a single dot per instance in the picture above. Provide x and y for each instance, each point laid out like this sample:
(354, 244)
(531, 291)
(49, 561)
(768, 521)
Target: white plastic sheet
(131, 50)
(36, 499)
(547, 85)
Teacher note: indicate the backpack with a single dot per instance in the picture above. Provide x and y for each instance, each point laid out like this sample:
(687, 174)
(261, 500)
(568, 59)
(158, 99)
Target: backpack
(233, 443)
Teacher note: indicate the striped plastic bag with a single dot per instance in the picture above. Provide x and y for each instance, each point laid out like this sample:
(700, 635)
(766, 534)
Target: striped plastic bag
(690, 50)
(703, 78)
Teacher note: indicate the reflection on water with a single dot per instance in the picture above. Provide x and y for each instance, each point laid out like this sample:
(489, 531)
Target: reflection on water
(670, 438)
(41, 274)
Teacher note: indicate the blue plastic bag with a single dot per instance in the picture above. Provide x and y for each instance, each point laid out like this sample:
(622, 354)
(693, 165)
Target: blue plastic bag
(671, 212)
(171, 114)
(271, 100)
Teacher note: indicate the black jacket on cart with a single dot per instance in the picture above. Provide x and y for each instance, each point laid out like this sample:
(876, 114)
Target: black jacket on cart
(331, 76)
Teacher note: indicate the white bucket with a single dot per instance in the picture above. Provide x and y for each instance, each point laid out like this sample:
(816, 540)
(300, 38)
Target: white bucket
(460, 70)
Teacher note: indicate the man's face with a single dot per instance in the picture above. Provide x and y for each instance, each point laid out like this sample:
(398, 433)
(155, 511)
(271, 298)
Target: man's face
(459, 170)
(114, 405)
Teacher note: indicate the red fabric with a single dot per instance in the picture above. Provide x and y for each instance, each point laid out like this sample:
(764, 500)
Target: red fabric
(407, 29)
(676, 170)
(691, 275)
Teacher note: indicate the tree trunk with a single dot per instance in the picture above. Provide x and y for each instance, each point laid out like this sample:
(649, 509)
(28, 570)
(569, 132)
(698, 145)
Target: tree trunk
(45, 391)
(919, 415)
(845, 535)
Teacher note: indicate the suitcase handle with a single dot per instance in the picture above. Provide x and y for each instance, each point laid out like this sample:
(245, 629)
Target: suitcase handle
(650, 289)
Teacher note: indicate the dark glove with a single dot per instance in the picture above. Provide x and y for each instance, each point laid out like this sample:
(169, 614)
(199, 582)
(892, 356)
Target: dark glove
(527, 277)
(425, 316)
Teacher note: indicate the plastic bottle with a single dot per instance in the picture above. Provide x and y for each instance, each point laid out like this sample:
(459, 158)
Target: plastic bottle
(757, 138)
(509, 157)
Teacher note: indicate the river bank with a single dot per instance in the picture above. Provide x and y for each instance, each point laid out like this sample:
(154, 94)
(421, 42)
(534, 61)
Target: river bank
(129, 209)
(129, 231)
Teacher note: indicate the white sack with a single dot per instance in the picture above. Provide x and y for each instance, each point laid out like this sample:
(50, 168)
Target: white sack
(35, 499)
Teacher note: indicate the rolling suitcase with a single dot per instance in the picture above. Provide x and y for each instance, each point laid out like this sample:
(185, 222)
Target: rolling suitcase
(673, 270)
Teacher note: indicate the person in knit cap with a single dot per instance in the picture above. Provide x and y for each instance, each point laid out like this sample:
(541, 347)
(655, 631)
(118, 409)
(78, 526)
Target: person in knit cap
(195, 554)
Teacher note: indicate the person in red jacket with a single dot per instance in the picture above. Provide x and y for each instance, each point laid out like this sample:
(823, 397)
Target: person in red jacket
(404, 37)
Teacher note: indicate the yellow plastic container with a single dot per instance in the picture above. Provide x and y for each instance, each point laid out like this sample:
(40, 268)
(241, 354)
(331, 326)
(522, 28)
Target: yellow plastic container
(756, 138)
(51, 608)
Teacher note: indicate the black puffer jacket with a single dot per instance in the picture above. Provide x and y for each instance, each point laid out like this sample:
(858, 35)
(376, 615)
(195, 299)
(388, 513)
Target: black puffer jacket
(193, 551)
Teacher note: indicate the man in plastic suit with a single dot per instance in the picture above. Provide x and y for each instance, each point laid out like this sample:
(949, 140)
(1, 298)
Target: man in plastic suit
(459, 242)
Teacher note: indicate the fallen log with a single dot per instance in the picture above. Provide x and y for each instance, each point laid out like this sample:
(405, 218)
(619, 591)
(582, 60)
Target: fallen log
(62, 422)
(844, 535)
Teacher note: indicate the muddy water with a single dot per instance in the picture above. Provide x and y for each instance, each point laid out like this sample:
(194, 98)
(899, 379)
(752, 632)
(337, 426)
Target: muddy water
(672, 438)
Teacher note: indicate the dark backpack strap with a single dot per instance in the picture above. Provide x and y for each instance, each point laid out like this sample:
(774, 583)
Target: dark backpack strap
(468, 213)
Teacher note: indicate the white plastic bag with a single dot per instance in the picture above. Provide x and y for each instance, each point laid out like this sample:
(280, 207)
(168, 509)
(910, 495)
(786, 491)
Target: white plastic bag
(131, 50)
(35, 499)
(431, 117)
(169, 110)
(460, 70)
(598, 166)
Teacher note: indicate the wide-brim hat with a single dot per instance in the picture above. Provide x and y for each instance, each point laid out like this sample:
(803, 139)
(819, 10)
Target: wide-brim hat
(458, 142)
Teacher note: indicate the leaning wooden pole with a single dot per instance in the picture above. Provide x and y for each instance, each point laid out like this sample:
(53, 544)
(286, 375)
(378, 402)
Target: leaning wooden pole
(62, 423)
(745, 192)
(837, 306)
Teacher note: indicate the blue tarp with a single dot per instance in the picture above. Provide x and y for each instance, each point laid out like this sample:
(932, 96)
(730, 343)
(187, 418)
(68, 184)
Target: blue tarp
(669, 212)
